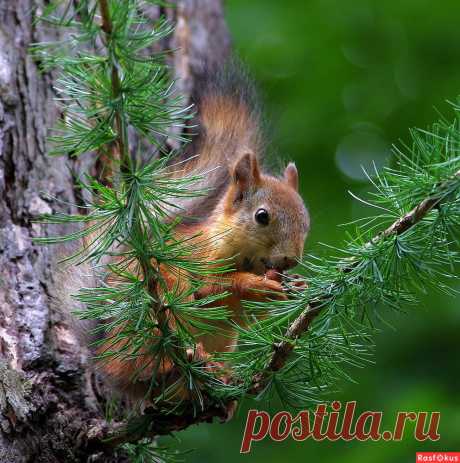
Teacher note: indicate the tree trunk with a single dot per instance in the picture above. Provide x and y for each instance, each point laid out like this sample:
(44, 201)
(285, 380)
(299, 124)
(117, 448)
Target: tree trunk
(48, 394)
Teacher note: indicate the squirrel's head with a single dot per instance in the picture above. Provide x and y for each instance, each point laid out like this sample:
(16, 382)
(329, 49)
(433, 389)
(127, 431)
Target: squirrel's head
(266, 219)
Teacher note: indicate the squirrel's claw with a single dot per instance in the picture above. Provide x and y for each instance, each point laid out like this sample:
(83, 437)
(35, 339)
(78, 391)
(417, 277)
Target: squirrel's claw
(295, 282)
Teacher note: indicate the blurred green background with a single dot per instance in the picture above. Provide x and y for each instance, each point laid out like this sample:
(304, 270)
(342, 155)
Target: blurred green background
(342, 82)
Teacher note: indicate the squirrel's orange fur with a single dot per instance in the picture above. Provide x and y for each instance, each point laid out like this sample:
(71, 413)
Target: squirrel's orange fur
(228, 152)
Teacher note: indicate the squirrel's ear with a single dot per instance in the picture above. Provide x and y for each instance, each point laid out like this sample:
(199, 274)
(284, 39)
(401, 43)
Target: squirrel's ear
(246, 173)
(292, 176)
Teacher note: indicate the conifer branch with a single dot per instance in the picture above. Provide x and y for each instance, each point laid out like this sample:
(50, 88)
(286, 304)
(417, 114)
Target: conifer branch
(158, 424)
(154, 423)
(149, 271)
(302, 323)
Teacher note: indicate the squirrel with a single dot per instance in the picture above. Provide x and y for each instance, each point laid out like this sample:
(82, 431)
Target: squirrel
(256, 220)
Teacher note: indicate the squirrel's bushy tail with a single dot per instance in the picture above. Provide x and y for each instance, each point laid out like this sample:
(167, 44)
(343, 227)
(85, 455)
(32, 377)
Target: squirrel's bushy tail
(67, 281)
(229, 124)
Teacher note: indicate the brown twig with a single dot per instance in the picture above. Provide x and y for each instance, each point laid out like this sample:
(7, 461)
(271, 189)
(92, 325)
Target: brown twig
(119, 149)
(102, 435)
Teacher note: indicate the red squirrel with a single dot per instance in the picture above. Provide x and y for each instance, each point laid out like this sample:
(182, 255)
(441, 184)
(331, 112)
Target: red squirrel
(256, 220)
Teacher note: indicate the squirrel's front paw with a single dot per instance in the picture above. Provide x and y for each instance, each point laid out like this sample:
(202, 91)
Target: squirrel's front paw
(263, 288)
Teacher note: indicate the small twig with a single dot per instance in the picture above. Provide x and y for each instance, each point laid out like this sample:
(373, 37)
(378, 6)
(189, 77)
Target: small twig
(104, 435)
(120, 150)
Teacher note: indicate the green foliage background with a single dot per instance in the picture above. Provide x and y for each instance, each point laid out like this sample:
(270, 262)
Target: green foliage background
(343, 81)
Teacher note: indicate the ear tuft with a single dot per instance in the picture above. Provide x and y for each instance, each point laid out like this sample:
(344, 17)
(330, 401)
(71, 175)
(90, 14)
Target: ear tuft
(291, 176)
(246, 173)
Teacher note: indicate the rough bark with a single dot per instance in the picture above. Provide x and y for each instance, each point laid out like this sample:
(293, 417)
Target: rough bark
(48, 395)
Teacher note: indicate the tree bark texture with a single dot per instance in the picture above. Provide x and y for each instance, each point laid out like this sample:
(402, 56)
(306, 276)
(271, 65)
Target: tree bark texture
(49, 397)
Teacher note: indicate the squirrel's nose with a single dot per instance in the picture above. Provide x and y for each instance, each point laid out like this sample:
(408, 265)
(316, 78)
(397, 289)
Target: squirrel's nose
(280, 263)
(284, 263)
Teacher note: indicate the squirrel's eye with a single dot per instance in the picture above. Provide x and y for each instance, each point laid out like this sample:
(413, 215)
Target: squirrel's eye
(262, 216)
